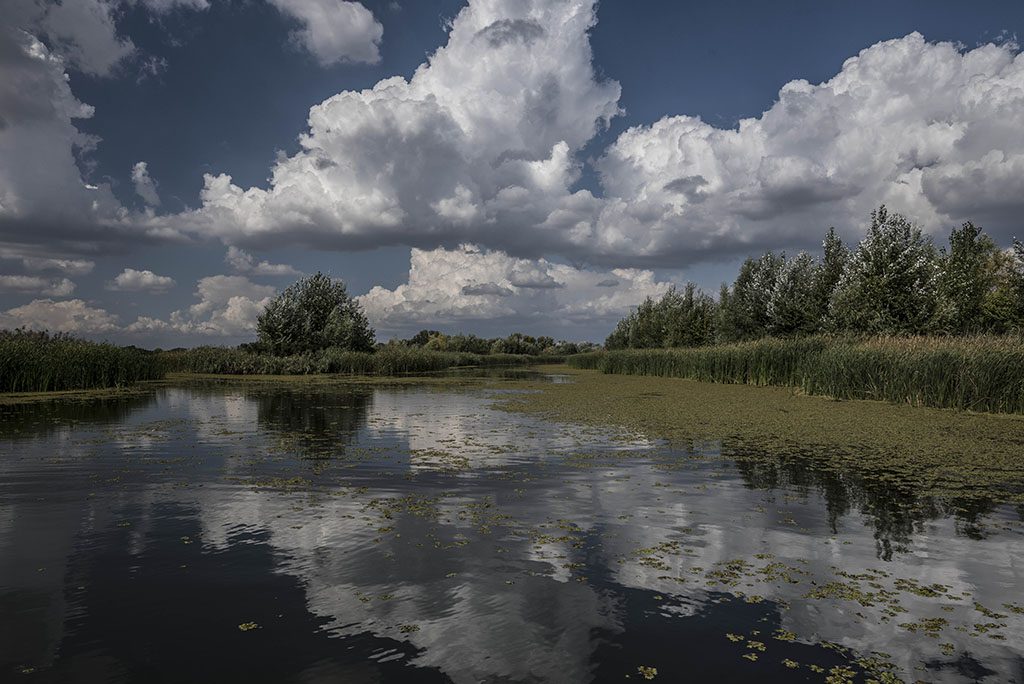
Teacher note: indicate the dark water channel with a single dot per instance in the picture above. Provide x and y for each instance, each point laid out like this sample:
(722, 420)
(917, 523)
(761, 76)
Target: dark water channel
(227, 532)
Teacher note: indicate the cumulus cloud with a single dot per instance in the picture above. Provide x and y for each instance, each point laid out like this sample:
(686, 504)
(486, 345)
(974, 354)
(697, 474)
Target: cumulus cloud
(44, 197)
(228, 306)
(471, 284)
(82, 31)
(22, 283)
(335, 30)
(924, 127)
(243, 262)
(145, 186)
(73, 315)
(482, 144)
(481, 139)
(132, 280)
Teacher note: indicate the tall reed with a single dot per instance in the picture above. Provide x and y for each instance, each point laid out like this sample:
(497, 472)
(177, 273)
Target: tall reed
(40, 362)
(975, 373)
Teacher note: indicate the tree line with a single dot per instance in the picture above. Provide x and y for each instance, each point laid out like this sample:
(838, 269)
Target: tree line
(317, 313)
(896, 281)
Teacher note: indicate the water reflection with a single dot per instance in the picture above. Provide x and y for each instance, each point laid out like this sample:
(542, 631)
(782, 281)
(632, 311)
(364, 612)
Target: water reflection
(416, 534)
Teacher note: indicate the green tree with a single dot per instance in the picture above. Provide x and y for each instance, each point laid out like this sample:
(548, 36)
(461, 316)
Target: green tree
(830, 272)
(968, 275)
(314, 313)
(890, 285)
(743, 309)
(793, 305)
(678, 319)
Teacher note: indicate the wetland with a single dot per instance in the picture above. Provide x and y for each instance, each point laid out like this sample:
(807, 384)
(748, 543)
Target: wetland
(552, 525)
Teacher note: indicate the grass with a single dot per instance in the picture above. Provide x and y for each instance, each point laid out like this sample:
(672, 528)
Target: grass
(39, 362)
(388, 361)
(927, 450)
(976, 373)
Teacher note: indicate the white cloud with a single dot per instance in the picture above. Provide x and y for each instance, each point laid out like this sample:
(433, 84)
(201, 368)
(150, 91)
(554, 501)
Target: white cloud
(482, 144)
(335, 30)
(469, 284)
(480, 140)
(145, 186)
(34, 284)
(228, 306)
(132, 280)
(162, 6)
(73, 315)
(924, 127)
(243, 262)
(69, 266)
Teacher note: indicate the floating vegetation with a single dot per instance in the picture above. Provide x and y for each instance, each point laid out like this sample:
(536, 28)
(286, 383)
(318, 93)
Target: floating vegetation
(647, 672)
(248, 626)
(902, 448)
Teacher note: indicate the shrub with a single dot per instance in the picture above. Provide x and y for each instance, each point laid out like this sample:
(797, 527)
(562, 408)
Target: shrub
(313, 314)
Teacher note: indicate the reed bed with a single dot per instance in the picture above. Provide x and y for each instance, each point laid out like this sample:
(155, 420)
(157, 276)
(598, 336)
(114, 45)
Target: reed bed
(40, 362)
(386, 361)
(973, 373)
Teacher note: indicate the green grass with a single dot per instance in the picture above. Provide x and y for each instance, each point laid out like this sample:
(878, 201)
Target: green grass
(386, 361)
(38, 362)
(976, 373)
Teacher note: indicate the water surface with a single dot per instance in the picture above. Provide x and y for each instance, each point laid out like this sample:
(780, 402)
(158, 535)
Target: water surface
(273, 532)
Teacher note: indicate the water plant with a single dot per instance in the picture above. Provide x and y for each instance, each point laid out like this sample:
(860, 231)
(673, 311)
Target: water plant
(40, 362)
(981, 373)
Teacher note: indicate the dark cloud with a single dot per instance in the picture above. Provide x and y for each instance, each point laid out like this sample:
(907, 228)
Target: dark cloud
(537, 282)
(506, 31)
(487, 289)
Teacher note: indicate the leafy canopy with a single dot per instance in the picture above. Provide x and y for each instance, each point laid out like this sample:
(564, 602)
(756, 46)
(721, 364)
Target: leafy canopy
(312, 314)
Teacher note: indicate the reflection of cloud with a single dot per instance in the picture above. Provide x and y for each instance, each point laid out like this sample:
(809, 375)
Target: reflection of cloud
(485, 562)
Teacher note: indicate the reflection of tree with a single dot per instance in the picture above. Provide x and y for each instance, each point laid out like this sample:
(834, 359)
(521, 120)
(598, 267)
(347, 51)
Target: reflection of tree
(896, 511)
(37, 418)
(318, 422)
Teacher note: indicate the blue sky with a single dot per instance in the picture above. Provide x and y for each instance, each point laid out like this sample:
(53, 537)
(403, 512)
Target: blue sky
(550, 164)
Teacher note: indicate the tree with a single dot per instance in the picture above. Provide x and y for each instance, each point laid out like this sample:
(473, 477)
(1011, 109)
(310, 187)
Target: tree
(829, 274)
(678, 319)
(311, 314)
(793, 306)
(890, 285)
(743, 308)
(968, 276)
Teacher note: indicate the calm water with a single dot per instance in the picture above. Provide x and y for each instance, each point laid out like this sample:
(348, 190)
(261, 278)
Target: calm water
(277, 533)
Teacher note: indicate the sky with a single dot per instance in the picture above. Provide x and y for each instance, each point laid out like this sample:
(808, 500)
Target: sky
(167, 166)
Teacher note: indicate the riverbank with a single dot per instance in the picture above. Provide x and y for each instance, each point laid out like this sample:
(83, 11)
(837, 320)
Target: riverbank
(387, 361)
(933, 451)
(972, 373)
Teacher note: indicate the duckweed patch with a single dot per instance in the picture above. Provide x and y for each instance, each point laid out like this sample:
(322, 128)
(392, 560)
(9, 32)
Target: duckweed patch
(931, 452)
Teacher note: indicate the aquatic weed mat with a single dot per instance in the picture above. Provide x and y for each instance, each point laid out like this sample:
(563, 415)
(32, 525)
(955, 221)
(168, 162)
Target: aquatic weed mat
(936, 452)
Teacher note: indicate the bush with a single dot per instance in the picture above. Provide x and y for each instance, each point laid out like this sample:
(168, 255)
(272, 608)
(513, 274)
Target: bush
(312, 314)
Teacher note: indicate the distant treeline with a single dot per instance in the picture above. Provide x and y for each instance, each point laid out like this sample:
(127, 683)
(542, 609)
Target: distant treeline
(516, 343)
(390, 359)
(40, 362)
(982, 373)
(895, 282)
